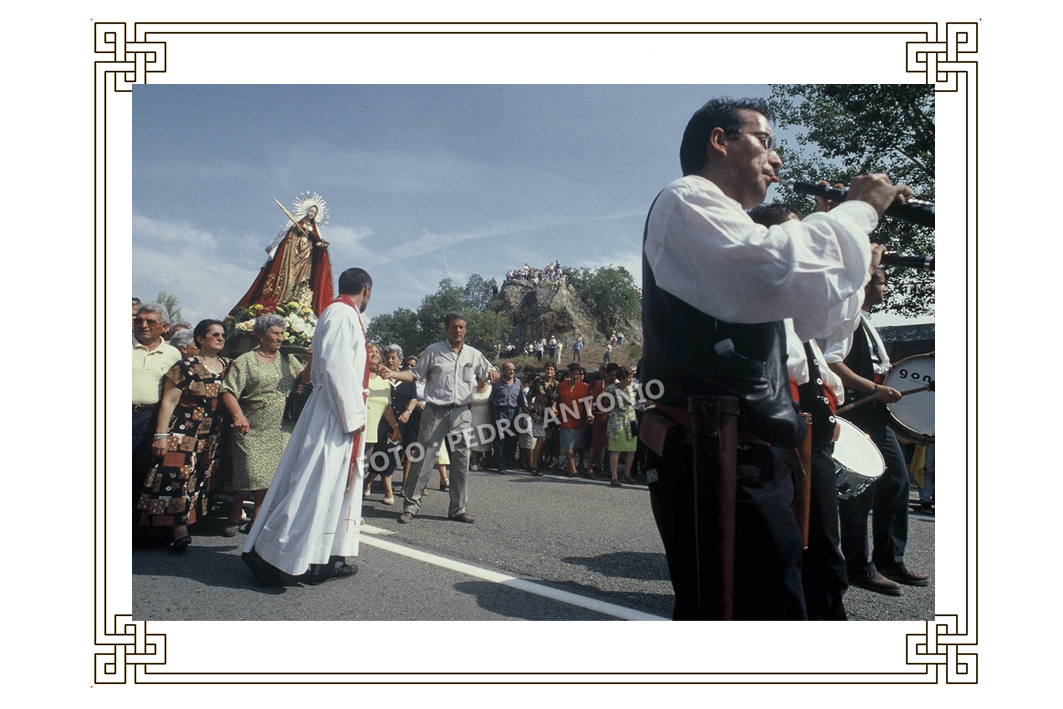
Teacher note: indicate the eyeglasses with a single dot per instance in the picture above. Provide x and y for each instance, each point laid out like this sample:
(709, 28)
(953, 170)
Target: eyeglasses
(219, 335)
(145, 321)
(766, 139)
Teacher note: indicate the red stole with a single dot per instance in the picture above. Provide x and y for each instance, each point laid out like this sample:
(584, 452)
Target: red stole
(346, 299)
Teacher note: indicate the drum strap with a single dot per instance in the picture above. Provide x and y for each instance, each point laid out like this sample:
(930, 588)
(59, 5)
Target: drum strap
(800, 459)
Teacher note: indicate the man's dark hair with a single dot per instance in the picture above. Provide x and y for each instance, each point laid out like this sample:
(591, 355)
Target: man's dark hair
(451, 317)
(574, 367)
(353, 280)
(717, 113)
(773, 214)
(612, 367)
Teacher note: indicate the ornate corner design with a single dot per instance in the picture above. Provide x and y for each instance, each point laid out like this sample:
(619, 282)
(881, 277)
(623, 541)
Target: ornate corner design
(943, 61)
(129, 62)
(942, 645)
(131, 645)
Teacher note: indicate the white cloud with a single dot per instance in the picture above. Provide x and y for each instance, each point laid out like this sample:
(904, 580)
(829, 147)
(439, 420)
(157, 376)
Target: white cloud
(192, 264)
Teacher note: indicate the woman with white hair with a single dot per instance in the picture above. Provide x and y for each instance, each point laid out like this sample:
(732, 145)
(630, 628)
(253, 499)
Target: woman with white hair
(480, 408)
(184, 341)
(254, 392)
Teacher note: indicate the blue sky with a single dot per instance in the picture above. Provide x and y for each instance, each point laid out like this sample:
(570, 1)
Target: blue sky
(422, 182)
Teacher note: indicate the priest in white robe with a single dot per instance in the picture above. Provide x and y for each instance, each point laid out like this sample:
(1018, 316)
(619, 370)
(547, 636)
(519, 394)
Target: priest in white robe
(310, 518)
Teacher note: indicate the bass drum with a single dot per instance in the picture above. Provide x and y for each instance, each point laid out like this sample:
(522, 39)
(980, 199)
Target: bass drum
(857, 460)
(913, 416)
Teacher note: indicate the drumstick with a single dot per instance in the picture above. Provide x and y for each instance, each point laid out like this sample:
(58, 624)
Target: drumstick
(906, 392)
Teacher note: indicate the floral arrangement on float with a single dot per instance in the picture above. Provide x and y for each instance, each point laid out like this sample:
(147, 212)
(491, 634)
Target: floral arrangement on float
(299, 322)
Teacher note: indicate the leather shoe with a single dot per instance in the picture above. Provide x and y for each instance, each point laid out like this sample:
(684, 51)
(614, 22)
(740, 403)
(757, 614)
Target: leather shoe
(902, 574)
(340, 571)
(462, 517)
(872, 580)
(405, 518)
(264, 573)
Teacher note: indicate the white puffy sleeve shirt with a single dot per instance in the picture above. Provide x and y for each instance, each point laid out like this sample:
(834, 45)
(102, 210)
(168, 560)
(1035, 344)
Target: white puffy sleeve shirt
(705, 250)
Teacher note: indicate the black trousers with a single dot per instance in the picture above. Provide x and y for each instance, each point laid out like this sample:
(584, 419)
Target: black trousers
(505, 445)
(886, 501)
(823, 567)
(768, 542)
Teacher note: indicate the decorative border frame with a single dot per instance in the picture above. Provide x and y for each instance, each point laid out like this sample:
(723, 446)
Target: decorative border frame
(944, 54)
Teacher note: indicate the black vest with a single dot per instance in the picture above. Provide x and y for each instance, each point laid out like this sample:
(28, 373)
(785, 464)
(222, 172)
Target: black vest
(860, 361)
(679, 350)
(815, 402)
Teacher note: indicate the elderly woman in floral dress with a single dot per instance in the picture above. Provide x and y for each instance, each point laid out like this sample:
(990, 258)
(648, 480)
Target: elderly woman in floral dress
(254, 393)
(186, 438)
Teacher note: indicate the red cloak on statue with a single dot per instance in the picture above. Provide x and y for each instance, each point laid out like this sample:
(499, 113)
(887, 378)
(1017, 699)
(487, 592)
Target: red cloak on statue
(299, 270)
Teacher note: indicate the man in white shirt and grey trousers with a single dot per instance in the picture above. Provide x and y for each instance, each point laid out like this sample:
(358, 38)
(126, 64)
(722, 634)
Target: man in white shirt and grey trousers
(451, 368)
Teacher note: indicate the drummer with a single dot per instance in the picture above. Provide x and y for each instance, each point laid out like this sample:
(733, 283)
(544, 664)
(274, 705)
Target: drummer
(861, 362)
(819, 391)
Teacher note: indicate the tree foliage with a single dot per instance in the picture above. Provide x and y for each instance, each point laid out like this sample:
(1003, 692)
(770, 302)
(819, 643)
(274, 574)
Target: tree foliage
(414, 331)
(399, 328)
(849, 130)
(610, 292)
(173, 308)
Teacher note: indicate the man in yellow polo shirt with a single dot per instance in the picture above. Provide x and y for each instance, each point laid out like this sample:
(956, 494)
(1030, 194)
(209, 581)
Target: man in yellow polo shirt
(152, 358)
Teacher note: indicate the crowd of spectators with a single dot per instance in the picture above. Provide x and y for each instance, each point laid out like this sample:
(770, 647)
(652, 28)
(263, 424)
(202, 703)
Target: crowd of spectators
(199, 416)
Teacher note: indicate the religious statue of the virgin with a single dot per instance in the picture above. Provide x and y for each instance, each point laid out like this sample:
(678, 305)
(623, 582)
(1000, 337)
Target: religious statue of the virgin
(298, 267)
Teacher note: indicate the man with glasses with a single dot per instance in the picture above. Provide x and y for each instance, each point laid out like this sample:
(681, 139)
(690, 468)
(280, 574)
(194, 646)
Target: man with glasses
(152, 359)
(716, 290)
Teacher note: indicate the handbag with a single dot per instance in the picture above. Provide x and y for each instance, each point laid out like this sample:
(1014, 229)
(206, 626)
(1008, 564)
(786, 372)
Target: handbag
(293, 405)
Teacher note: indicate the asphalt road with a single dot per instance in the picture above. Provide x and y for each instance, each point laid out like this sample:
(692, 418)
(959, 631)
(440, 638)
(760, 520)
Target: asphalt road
(546, 548)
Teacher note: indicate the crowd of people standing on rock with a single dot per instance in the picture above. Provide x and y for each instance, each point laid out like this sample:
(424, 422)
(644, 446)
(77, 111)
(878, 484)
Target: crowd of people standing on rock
(553, 273)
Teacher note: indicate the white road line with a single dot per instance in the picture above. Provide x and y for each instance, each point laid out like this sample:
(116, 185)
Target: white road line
(505, 579)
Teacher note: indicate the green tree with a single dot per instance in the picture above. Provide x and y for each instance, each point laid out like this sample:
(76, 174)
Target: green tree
(399, 327)
(434, 308)
(849, 130)
(609, 291)
(487, 331)
(477, 292)
(413, 331)
(169, 302)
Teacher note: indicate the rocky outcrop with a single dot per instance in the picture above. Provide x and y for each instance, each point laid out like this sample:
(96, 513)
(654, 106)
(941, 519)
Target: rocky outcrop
(541, 310)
